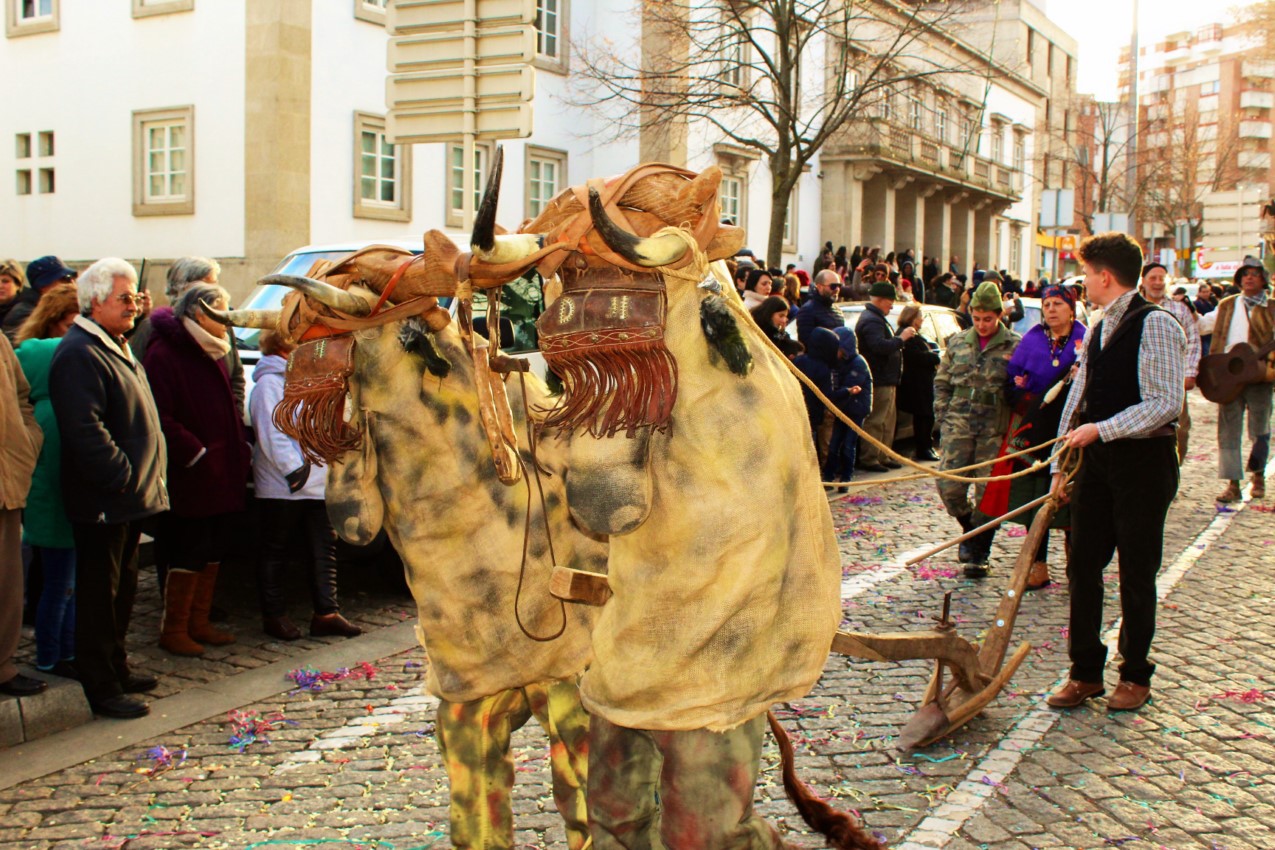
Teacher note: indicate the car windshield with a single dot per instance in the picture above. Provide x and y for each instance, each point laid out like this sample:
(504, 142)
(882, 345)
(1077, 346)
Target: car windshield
(269, 297)
(1031, 317)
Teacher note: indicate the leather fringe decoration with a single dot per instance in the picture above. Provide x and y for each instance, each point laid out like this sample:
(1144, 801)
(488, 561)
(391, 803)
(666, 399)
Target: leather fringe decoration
(607, 389)
(312, 410)
(606, 343)
(838, 827)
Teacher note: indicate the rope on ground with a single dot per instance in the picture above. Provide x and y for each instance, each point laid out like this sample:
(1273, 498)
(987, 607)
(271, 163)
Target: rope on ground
(922, 471)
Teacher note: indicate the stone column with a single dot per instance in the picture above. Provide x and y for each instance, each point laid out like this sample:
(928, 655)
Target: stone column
(938, 228)
(983, 237)
(277, 132)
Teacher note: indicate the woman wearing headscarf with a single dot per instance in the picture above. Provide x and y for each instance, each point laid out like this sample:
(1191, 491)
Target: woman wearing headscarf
(208, 461)
(45, 526)
(1037, 377)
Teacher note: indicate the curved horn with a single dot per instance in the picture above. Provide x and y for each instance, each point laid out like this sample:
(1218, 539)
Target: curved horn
(650, 251)
(484, 241)
(324, 293)
(262, 319)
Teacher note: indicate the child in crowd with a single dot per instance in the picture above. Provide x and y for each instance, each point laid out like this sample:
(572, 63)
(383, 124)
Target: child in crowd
(853, 379)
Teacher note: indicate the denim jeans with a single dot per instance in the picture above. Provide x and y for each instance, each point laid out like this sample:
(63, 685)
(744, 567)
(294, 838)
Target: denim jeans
(55, 616)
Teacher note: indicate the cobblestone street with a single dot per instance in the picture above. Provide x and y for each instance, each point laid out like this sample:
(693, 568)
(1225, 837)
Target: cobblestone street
(355, 763)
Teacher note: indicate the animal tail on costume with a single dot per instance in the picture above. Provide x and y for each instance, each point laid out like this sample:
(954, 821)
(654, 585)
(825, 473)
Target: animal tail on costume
(838, 827)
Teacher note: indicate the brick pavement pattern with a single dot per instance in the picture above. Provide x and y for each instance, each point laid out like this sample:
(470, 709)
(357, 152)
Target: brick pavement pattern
(1194, 769)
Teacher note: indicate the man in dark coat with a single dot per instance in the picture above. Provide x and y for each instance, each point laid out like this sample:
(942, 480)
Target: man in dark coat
(818, 311)
(113, 464)
(884, 353)
(41, 274)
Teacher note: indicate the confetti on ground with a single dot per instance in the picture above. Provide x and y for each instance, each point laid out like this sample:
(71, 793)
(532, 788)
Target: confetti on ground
(249, 727)
(162, 759)
(925, 572)
(313, 680)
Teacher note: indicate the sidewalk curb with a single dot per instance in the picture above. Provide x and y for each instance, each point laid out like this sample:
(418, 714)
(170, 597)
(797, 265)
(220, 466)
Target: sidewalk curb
(103, 736)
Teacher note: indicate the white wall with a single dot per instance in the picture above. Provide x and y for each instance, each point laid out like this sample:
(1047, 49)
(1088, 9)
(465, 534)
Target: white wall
(83, 82)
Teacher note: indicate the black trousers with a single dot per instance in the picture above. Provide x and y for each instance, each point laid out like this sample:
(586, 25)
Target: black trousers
(923, 432)
(1119, 504)
(280, 518)
(105, 587)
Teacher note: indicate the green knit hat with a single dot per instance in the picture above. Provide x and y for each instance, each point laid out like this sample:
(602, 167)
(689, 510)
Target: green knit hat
(987, 297)
(883, 289)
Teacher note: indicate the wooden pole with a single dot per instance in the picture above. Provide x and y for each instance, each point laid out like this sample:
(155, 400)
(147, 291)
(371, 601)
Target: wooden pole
(1034, 503)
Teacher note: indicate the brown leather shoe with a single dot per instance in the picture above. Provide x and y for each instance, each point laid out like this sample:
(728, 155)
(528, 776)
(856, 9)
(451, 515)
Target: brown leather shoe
(1230, 494)
(1259, 486)
(333, 625)
(1074, 693)
(1039, 576)
(1128, 697)
(280, 628)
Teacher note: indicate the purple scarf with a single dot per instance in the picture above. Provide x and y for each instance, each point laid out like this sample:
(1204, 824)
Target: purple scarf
(1035, 356)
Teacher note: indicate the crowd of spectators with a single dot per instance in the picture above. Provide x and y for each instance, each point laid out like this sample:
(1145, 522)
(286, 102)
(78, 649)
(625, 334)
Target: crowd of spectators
(117, 420)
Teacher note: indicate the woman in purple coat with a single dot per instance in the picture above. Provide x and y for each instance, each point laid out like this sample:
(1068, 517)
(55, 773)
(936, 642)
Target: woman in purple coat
(1035, 384)
(208, 461)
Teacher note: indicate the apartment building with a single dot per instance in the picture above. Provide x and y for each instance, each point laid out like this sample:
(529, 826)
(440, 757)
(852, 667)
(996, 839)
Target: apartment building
(1204, 118)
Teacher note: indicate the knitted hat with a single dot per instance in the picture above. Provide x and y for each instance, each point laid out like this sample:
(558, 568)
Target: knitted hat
(987, 297)
(883, 289)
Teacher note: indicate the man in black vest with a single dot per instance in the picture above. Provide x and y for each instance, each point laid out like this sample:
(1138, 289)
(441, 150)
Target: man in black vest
(1122, 411)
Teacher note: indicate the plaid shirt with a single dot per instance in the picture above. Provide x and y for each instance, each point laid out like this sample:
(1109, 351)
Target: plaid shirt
(1161, 376)
(1186, 319)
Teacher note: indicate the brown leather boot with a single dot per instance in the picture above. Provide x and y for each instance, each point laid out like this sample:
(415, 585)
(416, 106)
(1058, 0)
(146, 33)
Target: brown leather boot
(1039, 576)
(333, 625)
(1230, 494)
(200, 628)
(179, 593)
(1259, 486)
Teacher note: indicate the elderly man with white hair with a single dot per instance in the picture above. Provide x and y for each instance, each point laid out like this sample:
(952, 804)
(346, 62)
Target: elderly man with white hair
(113, 466)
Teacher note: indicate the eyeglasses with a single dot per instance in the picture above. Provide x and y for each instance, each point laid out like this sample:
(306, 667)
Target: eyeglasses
(129, 300)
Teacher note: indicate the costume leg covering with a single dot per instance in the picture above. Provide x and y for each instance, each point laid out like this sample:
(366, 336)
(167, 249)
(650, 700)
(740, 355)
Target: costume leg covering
(473, 738)
(557, 707)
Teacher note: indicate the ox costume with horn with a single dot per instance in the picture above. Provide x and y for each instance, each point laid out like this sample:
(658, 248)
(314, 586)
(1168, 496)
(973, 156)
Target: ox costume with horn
(414, 458)
(711, 621)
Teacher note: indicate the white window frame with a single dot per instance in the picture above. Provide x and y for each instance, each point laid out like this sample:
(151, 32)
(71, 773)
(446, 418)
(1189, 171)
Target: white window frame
(145, 120)
(1020, 152)
(556, 62)
(734, 203)
(789, 237)
(400, 209)
(915, 111)
(15, 24)
(998, 144)
(483, 153)
(372, 11)
(537, 158)
(940, 125)
(147, 8)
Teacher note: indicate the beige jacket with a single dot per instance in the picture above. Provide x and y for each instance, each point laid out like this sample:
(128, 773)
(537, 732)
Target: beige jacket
(1261, 329)
(20, 436)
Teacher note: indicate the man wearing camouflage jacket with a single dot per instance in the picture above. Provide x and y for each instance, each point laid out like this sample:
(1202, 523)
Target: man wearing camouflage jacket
(972, 413)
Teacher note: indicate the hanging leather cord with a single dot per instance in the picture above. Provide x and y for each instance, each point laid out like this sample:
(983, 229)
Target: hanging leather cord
(526, 530)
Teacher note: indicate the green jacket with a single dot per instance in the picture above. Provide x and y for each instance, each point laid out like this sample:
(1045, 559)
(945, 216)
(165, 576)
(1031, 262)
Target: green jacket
(971, 380)
(44, 521)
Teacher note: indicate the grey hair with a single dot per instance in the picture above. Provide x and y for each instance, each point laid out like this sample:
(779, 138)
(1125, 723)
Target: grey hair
(187, 306)
(188, 270)
(97, 282)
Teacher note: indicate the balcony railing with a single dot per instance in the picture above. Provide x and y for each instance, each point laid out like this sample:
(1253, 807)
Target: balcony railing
(1257, 100)
(1255, 159)
(1255, 129)
(925, 153)
(1258, 69)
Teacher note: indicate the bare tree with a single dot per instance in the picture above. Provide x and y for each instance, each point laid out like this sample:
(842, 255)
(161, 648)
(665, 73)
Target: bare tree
(1099, 154)
(779, 77)
(1182, 160)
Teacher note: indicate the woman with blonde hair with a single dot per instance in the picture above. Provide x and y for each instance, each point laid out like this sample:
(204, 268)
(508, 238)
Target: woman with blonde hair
(45, 527)
(12, 280)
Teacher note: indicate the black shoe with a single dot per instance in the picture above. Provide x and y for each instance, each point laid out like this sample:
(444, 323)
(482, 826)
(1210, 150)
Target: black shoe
(23, 686)
(64, 669)
(890, 464)
(136, 683)
(967, 553)
(927, 456)
(874, 467)
(120, 706)
(976, 570)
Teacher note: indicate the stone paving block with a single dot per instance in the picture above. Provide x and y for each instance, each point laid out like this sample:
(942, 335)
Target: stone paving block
(61, 706)
(10, 722)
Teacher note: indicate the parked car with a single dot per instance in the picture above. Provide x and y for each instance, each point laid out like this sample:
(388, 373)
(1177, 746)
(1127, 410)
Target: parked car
(518, 336)
(937, 325)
